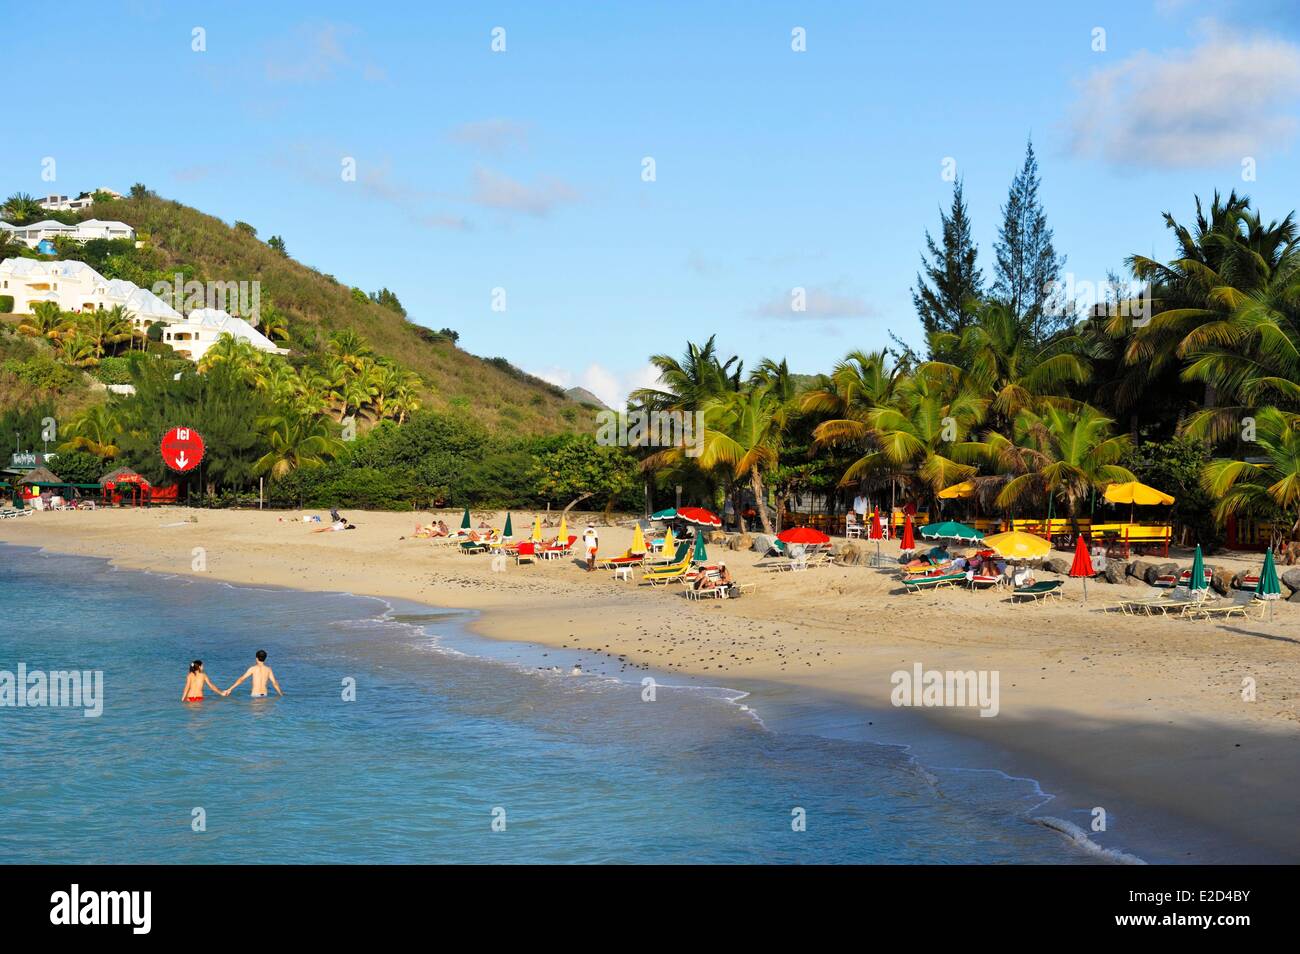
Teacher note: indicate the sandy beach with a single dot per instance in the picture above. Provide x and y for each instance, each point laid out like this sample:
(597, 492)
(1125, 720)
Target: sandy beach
(1102, 708)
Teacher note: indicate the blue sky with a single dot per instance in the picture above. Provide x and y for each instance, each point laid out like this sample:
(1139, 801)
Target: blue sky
(774, 169)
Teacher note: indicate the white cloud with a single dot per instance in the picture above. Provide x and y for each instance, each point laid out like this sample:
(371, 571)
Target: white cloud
(492, 136)
(610, 386)
(1228, 98)
(496, 191)
(817, 303)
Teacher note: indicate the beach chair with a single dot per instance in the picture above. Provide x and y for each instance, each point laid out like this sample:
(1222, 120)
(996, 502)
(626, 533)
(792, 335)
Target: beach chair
(985, 581)
(916, 584)
(1037, 592)
(683, 553)
(1224, 609)
(473, 547)
(526, 553)
(627, 559)
(1179, 606)
(556, 549)
(667, 574)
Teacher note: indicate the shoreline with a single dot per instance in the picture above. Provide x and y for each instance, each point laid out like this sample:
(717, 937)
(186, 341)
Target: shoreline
(1183, 781)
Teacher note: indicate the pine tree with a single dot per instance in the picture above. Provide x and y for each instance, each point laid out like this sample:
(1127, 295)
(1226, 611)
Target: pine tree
(949, 285)
(1027, 263)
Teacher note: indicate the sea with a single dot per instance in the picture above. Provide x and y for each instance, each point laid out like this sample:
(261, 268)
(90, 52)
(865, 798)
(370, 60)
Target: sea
(402, 737)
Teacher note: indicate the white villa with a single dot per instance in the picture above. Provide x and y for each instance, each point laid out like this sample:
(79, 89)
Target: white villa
(63, 203)
(77, 287)
(32, 235)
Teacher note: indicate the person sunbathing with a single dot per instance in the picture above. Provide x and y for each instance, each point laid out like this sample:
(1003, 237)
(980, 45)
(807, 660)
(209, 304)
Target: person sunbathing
(440, 530)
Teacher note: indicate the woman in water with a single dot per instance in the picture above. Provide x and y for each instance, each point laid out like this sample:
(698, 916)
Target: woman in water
(194, 682)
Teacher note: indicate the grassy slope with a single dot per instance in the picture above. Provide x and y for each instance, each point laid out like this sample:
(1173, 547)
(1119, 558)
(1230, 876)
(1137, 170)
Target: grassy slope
(454, 378)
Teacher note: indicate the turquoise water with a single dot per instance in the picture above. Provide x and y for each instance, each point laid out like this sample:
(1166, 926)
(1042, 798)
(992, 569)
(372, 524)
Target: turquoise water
(437, 738)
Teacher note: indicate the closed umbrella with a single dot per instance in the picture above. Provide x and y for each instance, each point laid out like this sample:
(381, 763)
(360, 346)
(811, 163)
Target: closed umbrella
(562, 538)
(876, 533)
(909, 542)
(1268, 587)
(536, 535)
(1198, 581)
(700, 555)
(638, 541)
(1082, 565)
(670, 545)
(464, 521)
(509, 532)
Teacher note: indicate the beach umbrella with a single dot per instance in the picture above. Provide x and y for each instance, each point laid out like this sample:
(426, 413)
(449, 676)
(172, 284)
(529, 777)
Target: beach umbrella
(638, 541)
(698, 516)
(670, 545)
(669, 514)
(536, 535)
(909, 542)
(1133, 492)
(1082, 565)
(464, 521)
(951, 530)
(1018, 545)
(965, 489)
(1268, 587)
(876, 533)
(563, 536)
(509, 532)
(802, 535)
(700, 555)
(1197, 582)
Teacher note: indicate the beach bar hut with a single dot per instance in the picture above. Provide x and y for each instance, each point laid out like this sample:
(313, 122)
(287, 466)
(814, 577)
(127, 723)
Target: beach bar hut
(123, 486)
(28, 486)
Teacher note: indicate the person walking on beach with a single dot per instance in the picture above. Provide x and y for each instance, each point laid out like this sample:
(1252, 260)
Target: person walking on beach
(261, 674)
(590, 543)
(195, 680)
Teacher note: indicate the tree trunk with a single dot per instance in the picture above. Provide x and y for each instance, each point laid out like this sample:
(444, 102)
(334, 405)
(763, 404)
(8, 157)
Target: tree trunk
(756, 482)
(577, 500)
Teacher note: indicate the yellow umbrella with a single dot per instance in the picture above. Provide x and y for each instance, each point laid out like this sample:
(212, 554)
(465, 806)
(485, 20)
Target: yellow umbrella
(563, 536)
(965, 489)
(1018, 545)
(638, 541)
(1133, 492)
(536, 536)
(669, 544)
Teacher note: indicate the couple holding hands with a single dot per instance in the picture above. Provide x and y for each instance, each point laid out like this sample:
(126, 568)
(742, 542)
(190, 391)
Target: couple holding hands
(260, 673)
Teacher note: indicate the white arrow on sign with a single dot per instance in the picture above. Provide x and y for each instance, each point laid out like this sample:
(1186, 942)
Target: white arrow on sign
(182, 461)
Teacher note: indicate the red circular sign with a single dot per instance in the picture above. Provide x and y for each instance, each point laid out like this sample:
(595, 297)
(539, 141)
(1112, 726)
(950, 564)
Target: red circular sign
(182, 449)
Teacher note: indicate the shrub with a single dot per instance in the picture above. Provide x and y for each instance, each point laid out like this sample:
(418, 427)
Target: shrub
(42, 372)
(113, 370)
(6, 304)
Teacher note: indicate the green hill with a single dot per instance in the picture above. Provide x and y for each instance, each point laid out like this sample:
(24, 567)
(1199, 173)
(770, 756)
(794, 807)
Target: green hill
(182, 239)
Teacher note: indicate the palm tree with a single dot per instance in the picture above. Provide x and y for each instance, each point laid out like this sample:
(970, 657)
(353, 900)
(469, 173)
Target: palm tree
(743, 431)
(20, 208)
(858, 384)
(78, 349)
(240, 355)
(1003, 357)
(46, 321)
(349, 346)
(105, 327)
(273, 323)
(1266, 485)
(689, 382)
(296, 442)
(95, 431)
(1065, 453)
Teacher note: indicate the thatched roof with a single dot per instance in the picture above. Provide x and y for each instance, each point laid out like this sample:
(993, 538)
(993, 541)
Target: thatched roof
(119, 474)
(39, 476)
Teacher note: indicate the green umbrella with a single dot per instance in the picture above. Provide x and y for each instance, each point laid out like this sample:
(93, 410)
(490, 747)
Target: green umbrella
(464, 521)
(1197, 582)
(668, 514)
(951, 530)
(700, 555)
(509, 532)
(1268, 587)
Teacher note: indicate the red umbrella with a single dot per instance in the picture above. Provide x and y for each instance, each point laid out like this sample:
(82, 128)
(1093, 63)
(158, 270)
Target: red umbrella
(909, 542)
(802, 535)
(1082, 565)
(698, 515)
(875, 533)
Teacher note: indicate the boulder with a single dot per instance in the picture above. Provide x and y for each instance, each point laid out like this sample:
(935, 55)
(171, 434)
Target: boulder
(715, 536)
(1223, 579)
(740, 541)
(1116, 571)
(1291, 580)
(1157, 570)
(1294, 597)
(854, 553)
(1058, 565)
(1138, 569)
(761, 543)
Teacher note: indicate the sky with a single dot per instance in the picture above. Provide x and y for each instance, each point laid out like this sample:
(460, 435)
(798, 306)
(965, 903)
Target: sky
(578, 186)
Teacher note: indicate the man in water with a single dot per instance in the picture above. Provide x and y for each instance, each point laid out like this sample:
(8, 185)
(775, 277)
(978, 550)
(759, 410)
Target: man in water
(261, 674)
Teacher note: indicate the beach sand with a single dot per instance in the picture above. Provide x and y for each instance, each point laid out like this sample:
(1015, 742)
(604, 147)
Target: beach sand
(1102, 708)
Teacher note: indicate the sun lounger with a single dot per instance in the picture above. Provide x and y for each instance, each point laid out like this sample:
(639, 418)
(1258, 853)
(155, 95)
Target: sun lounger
(917, 583)
(526, 553)
(1037, 591)
(472, 547)
(982, 581)
(1224, 609)
(627, 559)
(666, 574)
